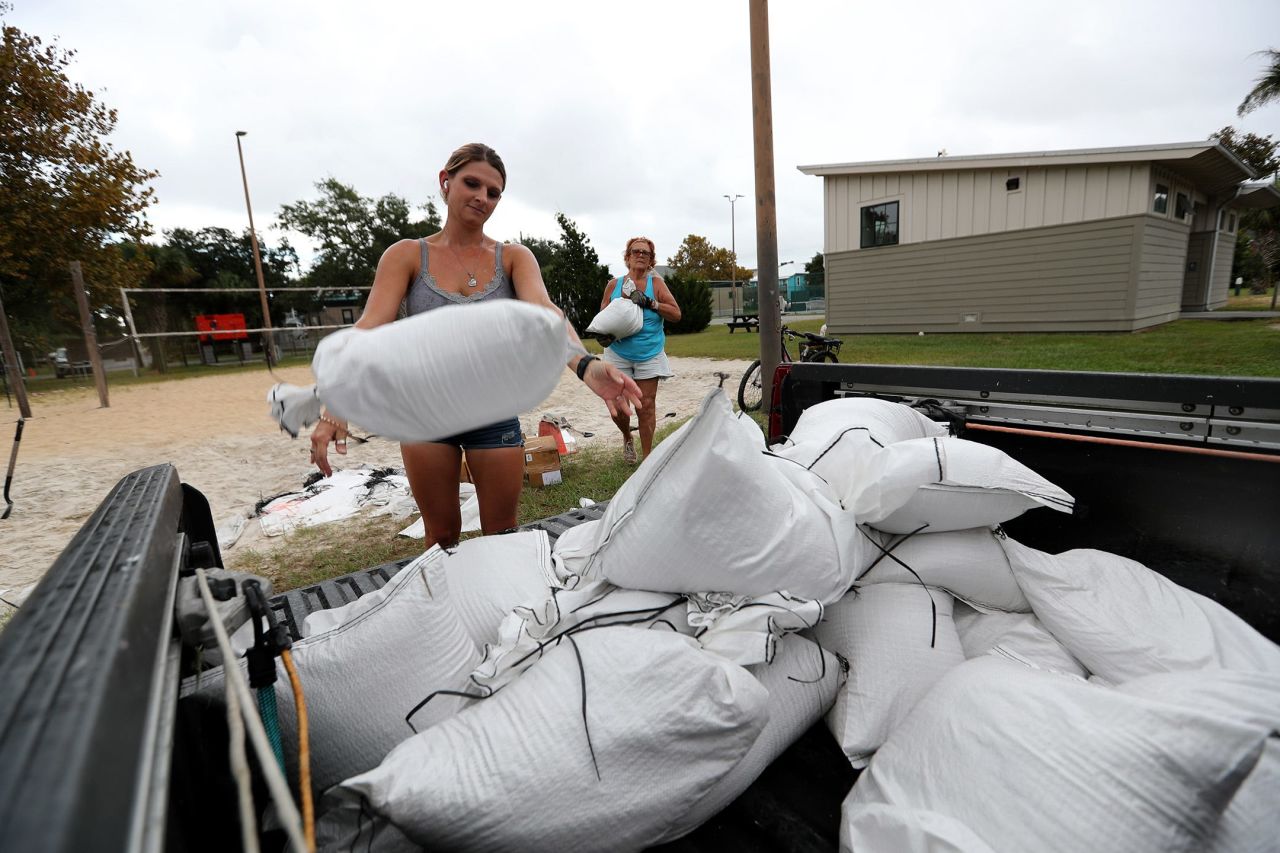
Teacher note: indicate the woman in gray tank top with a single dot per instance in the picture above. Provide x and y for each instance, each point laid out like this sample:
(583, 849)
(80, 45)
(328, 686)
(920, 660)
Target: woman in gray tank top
(461, 265)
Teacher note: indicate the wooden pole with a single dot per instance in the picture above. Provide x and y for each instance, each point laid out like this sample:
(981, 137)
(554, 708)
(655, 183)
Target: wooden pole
(11, 365)
(766, 200)
(90, 336)
(268, 340)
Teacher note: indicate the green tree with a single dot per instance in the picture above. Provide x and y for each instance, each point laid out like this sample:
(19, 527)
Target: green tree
(694, 298)
(1257, 254)
(223, 259)
(65, 193)
(575, 278)
(1257, 152)
(816, 270)
(1267, 86)
(167, 269)
(353, 231)
(698, 258)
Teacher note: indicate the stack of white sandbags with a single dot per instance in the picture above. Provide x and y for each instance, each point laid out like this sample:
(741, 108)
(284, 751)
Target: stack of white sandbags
(612, 725)
(877, 537)
(1122, 713)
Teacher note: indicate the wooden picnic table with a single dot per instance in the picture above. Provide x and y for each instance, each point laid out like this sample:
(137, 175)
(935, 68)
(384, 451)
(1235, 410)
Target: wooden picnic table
(750, 322)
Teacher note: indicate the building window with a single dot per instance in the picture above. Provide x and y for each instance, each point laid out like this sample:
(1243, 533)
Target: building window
(348, 315)
(1182, 206)
(880, 225)
(1161, 203)
(1231, 224)
(1013, 184)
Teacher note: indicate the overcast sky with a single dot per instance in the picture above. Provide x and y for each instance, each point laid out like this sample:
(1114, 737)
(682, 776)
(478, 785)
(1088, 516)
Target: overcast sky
(634, 118)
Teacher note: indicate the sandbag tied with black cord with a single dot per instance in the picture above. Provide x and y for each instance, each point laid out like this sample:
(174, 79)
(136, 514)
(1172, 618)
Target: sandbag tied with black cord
(711, 510)
(608, 742)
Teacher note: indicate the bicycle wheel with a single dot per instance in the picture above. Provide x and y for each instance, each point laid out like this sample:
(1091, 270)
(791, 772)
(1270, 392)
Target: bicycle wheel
(751, 389)
(828, 355)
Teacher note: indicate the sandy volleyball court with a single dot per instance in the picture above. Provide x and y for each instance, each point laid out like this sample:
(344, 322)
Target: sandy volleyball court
(216, 431)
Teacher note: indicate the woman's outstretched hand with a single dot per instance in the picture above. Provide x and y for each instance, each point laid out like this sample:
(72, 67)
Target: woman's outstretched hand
(326, 431)
(619, 391)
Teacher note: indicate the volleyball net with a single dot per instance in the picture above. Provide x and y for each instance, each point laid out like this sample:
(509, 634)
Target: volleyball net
(216, 324)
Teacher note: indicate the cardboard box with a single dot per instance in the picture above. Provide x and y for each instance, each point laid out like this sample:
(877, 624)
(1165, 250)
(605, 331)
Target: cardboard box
(541, 462)
(542, 479)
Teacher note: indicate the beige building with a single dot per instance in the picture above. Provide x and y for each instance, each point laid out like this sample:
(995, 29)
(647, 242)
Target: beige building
(1106, 239)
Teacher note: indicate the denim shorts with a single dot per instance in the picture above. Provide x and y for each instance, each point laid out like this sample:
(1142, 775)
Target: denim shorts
(502, 434)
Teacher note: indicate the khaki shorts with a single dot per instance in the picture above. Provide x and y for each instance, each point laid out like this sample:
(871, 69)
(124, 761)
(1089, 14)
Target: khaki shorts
(658, 366)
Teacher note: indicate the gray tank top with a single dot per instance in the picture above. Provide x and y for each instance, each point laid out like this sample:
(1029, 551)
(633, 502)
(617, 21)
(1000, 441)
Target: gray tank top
(424, 294)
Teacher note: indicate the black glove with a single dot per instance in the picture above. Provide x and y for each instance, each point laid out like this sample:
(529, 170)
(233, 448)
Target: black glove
(639, 298)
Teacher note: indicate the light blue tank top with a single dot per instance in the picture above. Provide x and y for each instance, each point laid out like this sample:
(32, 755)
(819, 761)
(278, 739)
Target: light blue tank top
(650, 340)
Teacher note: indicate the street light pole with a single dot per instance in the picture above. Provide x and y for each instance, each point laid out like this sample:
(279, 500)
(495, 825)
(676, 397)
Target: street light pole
(267, 342)
(733, 247)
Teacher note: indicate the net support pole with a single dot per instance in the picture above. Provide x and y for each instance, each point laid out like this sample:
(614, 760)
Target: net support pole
(133, 332)
(11, 365)
(90, 336)
(766, 200)
(267, 338)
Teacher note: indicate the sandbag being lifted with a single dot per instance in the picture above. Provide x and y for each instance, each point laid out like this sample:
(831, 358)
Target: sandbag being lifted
(442, 372)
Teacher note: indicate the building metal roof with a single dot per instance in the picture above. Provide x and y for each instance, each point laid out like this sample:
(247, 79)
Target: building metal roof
(1208, 164)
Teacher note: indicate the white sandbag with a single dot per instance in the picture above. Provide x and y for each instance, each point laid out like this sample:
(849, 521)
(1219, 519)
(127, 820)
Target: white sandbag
(1249, 823)
(708, 510)
(572, 552)
(833, 438)
(884, 421)
(490, 575)
(969, 564)
(872, 827)
(621, 318)
(364, 677)
(899, 640)
(1032, 760)
(529, 629)
(531, 768)
(1123, 620)
(745, 629)
(1019, 636)
(443, 372)
(802, 680)
(942, 484)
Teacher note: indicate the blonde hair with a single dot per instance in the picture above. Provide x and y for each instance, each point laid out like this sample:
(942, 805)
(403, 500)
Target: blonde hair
(653, 252)
(474, 152)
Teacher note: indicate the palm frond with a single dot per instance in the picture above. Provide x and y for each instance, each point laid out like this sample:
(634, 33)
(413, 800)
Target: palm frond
(1267, 87)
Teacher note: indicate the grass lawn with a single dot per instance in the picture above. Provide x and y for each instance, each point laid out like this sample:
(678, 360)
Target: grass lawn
(1210, 347)
(1250, 301)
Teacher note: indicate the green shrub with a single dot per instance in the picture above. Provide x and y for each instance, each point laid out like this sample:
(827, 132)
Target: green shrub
(694, 297)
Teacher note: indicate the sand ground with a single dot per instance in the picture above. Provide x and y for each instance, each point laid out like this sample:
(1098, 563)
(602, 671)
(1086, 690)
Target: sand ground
(216, 431)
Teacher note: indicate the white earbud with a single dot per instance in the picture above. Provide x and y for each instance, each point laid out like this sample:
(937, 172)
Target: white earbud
(446, 184)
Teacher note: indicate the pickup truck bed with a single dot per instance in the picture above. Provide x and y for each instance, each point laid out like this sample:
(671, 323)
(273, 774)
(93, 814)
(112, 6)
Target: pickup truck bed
(98, 752)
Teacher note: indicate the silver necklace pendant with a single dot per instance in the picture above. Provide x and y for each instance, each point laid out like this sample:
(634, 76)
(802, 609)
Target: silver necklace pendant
(471, 282)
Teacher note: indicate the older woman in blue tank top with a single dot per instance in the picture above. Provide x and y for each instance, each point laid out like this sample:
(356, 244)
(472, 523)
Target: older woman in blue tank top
(641, 356)
(460, 265)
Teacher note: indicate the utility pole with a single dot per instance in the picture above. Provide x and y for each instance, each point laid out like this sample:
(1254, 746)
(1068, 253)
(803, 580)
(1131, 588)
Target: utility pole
(90, 336)
(766, 200)
(11, 365)
(268, 342)
(733, 248)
